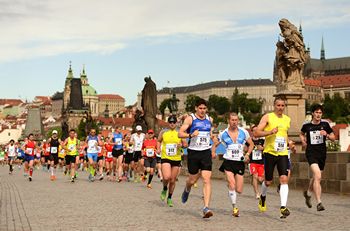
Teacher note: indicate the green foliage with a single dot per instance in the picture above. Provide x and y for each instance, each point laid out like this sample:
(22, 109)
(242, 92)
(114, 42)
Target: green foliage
(333, 146)
(164, 104)
(336, 108)
(219, 104)
(81, 130)
(190, 102)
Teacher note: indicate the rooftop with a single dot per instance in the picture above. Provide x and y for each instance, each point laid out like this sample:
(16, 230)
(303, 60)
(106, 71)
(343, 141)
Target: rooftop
(110, 96)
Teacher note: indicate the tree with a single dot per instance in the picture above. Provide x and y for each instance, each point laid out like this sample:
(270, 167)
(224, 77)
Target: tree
(81, 130)
(164, 104)
(190, 102)
(219, 103)
(336, 108)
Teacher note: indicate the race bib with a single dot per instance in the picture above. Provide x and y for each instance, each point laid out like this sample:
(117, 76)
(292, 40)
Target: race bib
(138, 146)
(48, 149)
(316, 137)
(171, 149)
(280, 144)
(109, 154)
(203, 139)
(130, 149)
(29, 151)
(92, 146)
(257, 155)
(150, 152)
(71, 147)
(235, 152)
(53, 149)
(118, 141)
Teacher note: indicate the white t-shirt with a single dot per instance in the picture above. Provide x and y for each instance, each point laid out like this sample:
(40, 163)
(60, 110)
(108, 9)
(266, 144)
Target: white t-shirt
(138, 141)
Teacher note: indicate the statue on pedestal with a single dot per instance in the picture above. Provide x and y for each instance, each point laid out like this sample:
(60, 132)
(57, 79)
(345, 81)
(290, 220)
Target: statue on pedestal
(290, 58)
(149, 103)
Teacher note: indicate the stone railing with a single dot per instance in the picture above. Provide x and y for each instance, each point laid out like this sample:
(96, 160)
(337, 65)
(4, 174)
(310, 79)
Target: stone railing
(335, 177)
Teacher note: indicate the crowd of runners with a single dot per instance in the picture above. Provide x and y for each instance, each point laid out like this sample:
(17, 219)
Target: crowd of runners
(138, 157)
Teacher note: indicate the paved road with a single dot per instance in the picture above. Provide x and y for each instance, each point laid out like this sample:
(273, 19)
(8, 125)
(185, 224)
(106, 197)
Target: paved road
(61, 205)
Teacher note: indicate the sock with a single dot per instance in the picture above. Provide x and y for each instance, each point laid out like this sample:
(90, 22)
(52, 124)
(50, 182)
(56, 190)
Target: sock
(51, 170)
(31, 172)
(91, 170)
(284, 194)
(165, 188)
(263, 189)
(233, 196)
(169, 195)
(150, 178)
(308, 193)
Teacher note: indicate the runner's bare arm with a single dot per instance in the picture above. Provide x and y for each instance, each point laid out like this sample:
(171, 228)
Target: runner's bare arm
(183, 129)
(259, 132)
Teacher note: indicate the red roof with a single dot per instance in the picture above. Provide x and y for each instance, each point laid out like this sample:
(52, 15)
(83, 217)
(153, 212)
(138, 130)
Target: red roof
(110, 96)
(336, 129)
(12, 102)
(45, 99)
(124, 121)
(312, 82)
(335, 81)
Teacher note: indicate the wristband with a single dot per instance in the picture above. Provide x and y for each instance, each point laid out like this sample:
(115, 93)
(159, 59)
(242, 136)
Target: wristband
(189, 135)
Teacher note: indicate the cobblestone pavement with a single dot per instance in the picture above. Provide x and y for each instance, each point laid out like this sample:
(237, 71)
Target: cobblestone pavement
(101, 205)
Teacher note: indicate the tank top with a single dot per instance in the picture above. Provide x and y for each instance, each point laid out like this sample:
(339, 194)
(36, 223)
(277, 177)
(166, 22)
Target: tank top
(30, 147)
(92, 142)
(149, 148)
(170, 150)
(54, 144)
(72, 146)
(11, 151)
(118, 138)
(202, 141)
(109, 149)
(234, 150)
(276, 144)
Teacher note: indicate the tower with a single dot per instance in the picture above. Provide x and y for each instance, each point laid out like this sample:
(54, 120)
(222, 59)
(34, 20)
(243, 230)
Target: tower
(67, 87)
(323, 55)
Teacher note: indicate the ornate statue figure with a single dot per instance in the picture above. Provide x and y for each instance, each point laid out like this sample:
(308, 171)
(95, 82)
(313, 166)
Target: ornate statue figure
(290, 58)
(174, 104)
(149, 103)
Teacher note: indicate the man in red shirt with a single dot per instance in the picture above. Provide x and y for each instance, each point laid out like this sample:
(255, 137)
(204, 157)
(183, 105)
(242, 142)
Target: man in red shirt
(149, 148)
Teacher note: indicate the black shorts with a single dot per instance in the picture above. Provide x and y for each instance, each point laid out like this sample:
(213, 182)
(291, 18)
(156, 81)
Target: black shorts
(116, 153)
(54, 158)
(46, 158)
(236, 167)
(316, 159)
(271, 161)
(137, 156)
(150, 162)
(128, 157)
(100, 158)
(198, 160)
(81, 157)
(159, 159)
(173, 163)
(70, 159)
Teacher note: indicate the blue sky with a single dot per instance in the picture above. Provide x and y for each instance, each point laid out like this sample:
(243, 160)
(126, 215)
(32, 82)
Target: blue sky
(183, 42)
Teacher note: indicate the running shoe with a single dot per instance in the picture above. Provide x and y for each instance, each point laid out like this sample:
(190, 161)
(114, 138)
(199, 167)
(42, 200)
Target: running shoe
(163, 195)
(169, 201)
(149, 186)
(307, 199)
(284, 212)
(30, 178)
(320, 207)
(207, 212)
(184, 196)
(52, 177)
(235, 212)
(262, 208)
(72, 180)
(101, 177)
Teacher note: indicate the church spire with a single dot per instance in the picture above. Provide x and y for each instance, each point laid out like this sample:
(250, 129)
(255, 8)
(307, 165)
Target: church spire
(323, 56)
(83, 77)
(300, 30)
(70, 71)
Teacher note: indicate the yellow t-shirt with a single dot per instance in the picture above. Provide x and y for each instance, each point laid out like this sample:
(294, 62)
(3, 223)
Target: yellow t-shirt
(276, 144)
(170, 150)
(72, 146)
(61, 152)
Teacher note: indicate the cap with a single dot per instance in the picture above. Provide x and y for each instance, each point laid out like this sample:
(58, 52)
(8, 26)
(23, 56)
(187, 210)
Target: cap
(172, 119)
(54, 132)
(150, 131)
(44, 140)
(138, 128)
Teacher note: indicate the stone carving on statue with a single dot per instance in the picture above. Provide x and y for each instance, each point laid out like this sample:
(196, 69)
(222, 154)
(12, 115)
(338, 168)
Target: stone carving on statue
(149, 103)
(139, 120)
(290, 58)
(65, 129)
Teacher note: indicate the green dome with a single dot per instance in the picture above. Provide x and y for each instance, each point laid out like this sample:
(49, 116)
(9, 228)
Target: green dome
(87, 90)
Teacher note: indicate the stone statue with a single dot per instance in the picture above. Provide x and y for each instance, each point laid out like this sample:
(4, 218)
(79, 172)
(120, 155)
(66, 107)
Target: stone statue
(139, 120)
(65, 129)
(290, 58)
(149, 103)
(174, 104)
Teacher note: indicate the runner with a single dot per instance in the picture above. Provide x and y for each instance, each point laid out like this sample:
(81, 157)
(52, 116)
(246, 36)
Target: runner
(137, 140)
(29, 148)
(54, 143)
(45, 162)
(129, 150)
(197, 127)
(117, 153)
(71, 147)
(256, 163)
(11, 154)
(109, 157)
(313, 136)
(234, 139)
(274, 126)
(169, 145)
(93, 142)
(100, 157)
(149, 149)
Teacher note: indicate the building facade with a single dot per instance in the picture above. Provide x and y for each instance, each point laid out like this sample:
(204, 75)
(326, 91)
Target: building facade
(114, 103)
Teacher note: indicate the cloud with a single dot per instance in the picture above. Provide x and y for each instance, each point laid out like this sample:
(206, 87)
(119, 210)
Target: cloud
(49, 27)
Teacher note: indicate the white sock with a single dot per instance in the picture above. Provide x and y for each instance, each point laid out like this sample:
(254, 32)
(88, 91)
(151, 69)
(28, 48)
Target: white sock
(284, 194)
(51, 169)
(233, 196)
(263, 189)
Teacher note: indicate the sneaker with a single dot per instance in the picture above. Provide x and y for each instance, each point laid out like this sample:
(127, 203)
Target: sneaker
(169, 201)
(149, 186)
(52, 177)
(184, 196)
(257, 196)
(262, 208)
(235, 212)
(76, 175)
(90, 177)
(72, 180)
(163, 195)
(30, 178)
(284, 212)
(120, 180)
(101, 177)
(307, 199)
(207, 212)
(320, 207)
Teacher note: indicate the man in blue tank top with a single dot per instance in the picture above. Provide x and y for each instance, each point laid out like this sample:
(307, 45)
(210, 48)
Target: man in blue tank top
(117, 152)
(197, 127)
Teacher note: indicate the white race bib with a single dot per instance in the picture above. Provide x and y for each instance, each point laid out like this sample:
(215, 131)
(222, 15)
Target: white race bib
(316, 137)
(109, 154)
(48, 149)
(118, 141)
(171, 149)
(92, 146)
(53, 149)
(130, 149)
(138, 146)
(257, 155)
(29, 151)
(150, 152)
(235, 152)
(203, 139)
(71, 147)
(280, 144)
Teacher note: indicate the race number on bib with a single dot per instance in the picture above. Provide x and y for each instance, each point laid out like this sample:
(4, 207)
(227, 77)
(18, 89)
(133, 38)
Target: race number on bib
(203, 139)
(109, 155)
(138, 146)
(316, 137)
(71, 147)
(29, 151)
(149, 152)
(118, 141)
(171, 149)
(53, 149)
(280, 144)
(257, 155)
(235, 152)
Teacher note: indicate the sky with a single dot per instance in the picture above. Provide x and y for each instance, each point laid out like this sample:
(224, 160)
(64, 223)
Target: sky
(176, 42)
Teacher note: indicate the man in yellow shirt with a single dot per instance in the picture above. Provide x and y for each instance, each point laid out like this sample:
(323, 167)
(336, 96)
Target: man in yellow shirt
(274, 127)
(71, 147)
